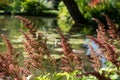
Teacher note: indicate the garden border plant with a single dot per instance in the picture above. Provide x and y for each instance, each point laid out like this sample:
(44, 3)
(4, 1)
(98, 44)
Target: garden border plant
(70, 66)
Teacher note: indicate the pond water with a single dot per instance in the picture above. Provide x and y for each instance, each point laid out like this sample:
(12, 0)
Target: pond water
(9, 25)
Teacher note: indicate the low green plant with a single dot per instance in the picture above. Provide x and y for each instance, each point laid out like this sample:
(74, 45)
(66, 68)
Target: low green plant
(60, 76)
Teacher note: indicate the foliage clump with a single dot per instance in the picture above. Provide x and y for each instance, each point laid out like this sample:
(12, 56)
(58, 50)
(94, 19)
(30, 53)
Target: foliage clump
(32, 7)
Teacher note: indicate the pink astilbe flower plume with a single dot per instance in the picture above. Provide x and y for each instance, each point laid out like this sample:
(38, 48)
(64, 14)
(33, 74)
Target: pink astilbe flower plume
(95, 59)
(36, 47)
(9, 67)
(112, 31)
(10, 48)
(71, 60)
(29, 25)
(101, 32)
(102, 40)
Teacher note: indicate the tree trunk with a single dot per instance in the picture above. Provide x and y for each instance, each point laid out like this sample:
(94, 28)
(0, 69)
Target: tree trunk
(75, 12)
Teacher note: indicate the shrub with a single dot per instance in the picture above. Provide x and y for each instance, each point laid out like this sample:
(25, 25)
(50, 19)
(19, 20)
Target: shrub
(107, 6)
(16, 6)
(4, 5)
(32, 7)
(64, 20)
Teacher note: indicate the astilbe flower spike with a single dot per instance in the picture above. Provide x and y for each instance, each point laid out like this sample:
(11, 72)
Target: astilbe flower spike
(95, 59)
(29, 25)
(36, 46)
(36, 36)
(98, 42)
(101, 32)
(35, 53)
(66, 46)
(109, 52)
(71, 60)
(10, 48)
(9, 67)
(112, 31)
(107, 49)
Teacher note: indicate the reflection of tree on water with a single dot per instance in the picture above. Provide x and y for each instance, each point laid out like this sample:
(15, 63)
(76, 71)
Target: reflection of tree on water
(47, 24)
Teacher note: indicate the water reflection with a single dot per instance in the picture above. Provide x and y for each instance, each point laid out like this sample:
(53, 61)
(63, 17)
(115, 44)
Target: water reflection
(9, 25)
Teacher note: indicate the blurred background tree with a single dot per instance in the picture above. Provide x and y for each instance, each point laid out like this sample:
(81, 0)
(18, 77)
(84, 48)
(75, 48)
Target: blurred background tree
(74, 11)
(80, 11)
(90, 9)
